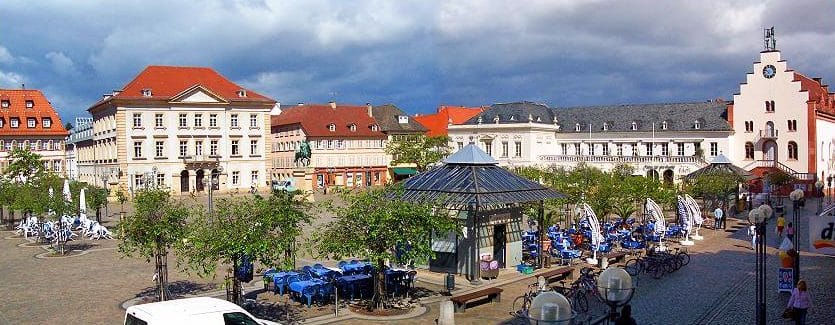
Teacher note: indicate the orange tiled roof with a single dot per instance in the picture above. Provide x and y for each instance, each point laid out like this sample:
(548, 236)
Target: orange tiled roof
(437, 123)
(315, 118)
(817, 92)
(41, 109)
(166, 82)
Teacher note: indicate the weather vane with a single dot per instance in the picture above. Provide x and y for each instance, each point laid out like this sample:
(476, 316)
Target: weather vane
(770, 40)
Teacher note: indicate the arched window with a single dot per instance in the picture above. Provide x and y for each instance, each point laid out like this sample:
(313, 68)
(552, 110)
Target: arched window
(749, 150)
(697, 124)
(634, 125)
(605, 126)
(577, 127)
(792, 150)
(664, 125)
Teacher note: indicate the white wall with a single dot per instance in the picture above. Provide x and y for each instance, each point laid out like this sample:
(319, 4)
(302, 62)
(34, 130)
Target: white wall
(826, 148)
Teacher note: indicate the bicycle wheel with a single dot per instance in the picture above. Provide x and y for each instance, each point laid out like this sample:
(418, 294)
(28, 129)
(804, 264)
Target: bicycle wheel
(633, 266)
(579, 302)
(656, 270)
(669, 265)
(520, 306)
(684, 257)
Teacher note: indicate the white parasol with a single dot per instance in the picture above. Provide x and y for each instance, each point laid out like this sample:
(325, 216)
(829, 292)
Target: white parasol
(82, 205)
(66, 191)
(660, 226)
(696, 213)
(686, 219)
(596, 236)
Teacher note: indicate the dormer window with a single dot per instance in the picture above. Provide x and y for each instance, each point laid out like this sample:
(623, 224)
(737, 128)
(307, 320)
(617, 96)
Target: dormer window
(14, 122)
(577, 127)
(374, 127)
(332, 127)
(5, 103)
(496, 119)
(47, 122)
(403, 119)
(697, 125)
(241, 93)
(664, 125)
(146, 92)
(2, 123)
(513, 118)
(31, 122)
(352, 127)
(30, 103)
(634, 126)
(605, 126)
(538, 119)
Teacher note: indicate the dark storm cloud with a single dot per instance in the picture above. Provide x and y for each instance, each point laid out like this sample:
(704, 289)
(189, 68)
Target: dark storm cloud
(414, 54)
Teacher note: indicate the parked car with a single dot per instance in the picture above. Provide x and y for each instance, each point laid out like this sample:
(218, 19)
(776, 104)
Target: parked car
(202, 310)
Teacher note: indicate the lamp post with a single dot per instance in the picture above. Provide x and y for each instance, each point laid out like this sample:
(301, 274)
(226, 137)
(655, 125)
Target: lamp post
(615, 285)
(829, 185)
(213, 181)
(796, 196)
(819, 186)
(106, 194)
(757, 217)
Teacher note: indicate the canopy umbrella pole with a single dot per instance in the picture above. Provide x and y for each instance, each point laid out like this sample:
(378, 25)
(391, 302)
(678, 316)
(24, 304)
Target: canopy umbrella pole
(542, 229)
(475, 277)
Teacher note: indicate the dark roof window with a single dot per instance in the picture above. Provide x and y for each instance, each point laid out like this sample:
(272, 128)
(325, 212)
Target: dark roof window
(30, 103)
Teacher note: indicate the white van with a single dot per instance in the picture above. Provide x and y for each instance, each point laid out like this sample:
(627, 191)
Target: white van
(203, 310)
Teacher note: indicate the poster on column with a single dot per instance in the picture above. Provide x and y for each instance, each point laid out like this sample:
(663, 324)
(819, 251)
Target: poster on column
(785, 280)
(822, 235)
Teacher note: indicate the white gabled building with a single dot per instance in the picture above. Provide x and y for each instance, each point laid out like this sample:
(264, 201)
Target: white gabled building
(659, 140)
(783, 120)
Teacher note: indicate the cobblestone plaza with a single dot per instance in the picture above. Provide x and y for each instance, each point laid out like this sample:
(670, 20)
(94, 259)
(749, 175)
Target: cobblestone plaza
(717, 287)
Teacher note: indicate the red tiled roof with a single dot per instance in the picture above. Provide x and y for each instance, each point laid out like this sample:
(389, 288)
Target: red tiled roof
(437, 123)
(315, 119)
(817, 92)
(166, 82)
(17, 109)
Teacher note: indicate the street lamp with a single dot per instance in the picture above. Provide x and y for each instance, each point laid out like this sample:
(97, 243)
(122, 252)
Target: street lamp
(819, 186)
(829, 185)
(796, 196)
(758, 217)
(213, 181)
(550, 307)
(615, 285)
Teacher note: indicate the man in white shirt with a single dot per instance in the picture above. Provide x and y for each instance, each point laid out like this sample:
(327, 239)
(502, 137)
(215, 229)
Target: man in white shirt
(717, 216)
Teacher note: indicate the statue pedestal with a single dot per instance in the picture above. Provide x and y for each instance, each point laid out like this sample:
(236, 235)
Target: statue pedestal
(303, 179)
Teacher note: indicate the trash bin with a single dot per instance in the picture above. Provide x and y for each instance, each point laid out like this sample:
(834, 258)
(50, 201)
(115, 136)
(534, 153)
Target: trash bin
(450, 282)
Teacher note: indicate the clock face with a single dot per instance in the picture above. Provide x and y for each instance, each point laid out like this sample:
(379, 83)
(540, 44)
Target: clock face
(769, 71)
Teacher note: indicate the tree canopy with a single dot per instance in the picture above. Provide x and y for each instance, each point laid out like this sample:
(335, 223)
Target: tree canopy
(418, 149)
(24, 165)
(371, 224)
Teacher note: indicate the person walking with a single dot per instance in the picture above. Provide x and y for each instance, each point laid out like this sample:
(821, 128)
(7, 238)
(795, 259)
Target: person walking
(625, 317)
(781, 223)
(717, 216)
(752, 231)
(790, 233)
(800, 301)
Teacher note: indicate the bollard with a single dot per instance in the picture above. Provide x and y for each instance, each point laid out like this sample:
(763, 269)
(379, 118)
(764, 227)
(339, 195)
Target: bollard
(447, 315)
(450, 282)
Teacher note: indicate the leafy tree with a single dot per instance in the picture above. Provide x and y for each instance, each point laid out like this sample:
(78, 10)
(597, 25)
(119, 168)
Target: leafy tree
(96, 199)
(68, 126)
(24, 165)
(420, 150)
(157, 224)
(122, 198)
(7, 195)
(244, 226)
(715, 186)
(372, 223)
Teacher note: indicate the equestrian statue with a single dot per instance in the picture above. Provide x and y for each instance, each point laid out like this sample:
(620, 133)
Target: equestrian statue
(303, 154)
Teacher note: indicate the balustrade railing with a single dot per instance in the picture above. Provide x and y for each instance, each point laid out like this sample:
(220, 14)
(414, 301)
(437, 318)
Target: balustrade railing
(620, 159)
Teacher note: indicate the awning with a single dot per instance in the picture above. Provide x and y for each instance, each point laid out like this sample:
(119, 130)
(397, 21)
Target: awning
(404, 171)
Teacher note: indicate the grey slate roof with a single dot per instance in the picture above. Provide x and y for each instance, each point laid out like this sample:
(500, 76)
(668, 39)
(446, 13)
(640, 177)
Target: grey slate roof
(387, 119)
(712, 116)
(471, 155)
(471, 181)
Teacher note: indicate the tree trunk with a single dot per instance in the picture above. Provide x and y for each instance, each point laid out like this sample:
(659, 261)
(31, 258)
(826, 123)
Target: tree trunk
(378, 299)
(236, 283)
(98, 215)
(162, 272)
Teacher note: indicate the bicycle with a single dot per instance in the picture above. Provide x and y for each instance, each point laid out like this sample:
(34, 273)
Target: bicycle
(522, 304)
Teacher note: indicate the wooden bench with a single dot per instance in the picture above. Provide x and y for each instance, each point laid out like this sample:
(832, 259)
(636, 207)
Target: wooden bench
(558, 274)
(616, 257)
(492, 294)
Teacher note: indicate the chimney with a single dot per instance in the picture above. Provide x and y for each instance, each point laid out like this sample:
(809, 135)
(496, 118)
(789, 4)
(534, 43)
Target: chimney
(370, 112)
(23, 86)
(333, 104)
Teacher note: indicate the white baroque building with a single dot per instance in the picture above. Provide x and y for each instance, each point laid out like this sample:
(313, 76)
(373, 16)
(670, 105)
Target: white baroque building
(658, 140)
(176, 126)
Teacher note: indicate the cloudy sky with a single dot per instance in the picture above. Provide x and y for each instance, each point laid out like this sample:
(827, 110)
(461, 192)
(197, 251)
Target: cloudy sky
(415, 54)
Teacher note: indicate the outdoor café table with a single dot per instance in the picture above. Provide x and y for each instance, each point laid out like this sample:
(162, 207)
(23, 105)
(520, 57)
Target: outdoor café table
(352, 281)
(299, 286)
(320, 272)
(354, 267)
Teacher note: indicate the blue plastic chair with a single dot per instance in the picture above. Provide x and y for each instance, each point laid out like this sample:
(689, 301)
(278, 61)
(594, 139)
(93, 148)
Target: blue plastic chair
(341, 264)
(310, 292)
(318, 266)
(306, 269)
